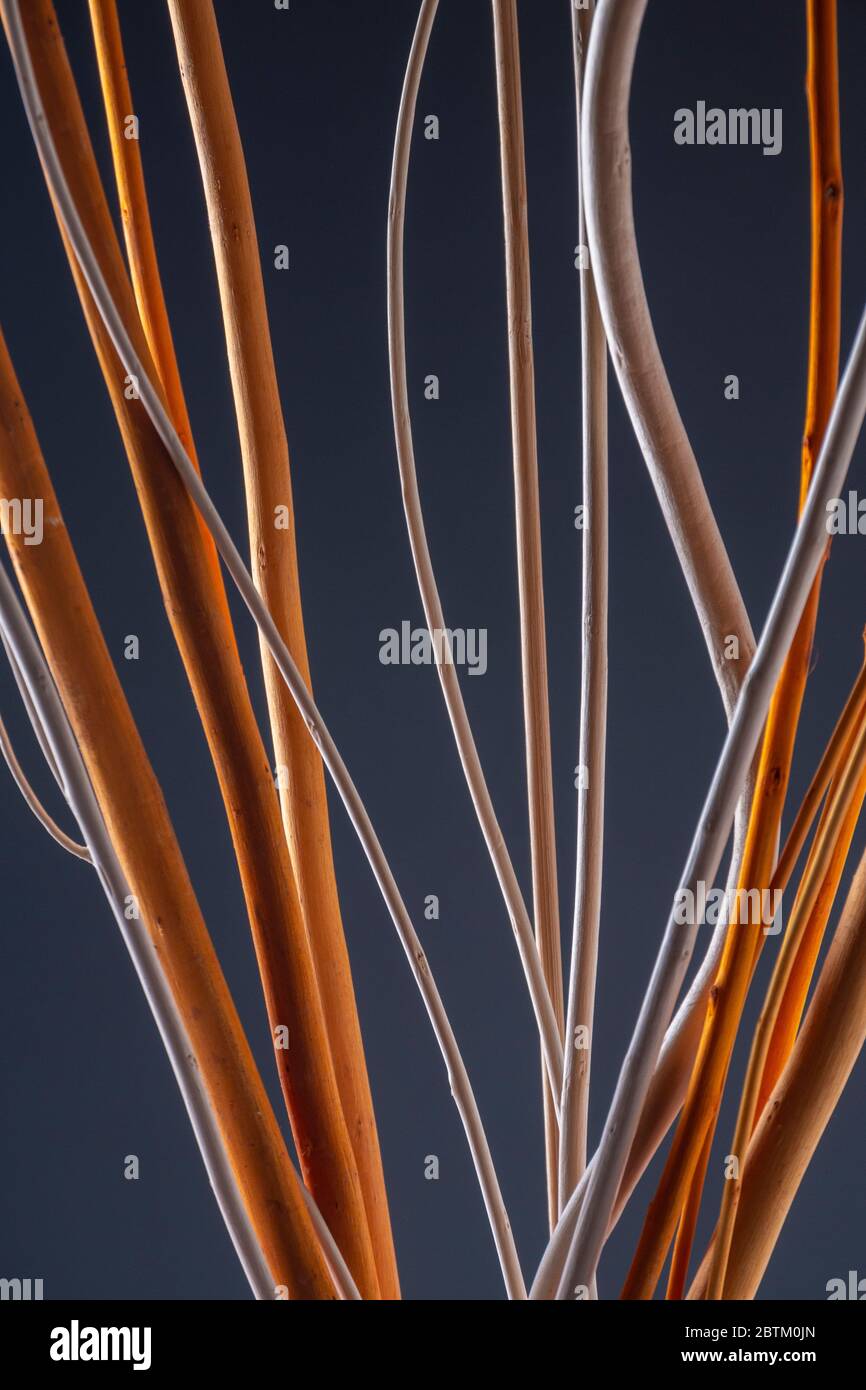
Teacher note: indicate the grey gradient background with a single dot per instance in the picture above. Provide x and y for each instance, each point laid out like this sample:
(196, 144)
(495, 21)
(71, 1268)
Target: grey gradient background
(724, 238)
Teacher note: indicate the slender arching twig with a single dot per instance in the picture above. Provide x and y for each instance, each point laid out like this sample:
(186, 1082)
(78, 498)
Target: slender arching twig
(139, 241)
(32, 800)
(593, 688)
(533, 632)
(469, 759)
(460, 1084)
(634, 350)
(32, 715)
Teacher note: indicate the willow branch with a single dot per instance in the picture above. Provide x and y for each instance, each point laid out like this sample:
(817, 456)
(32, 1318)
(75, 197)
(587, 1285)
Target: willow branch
(32, 800)
(268, 486)
(802, 1103)
(533, 638)
(847, 796)
(32, 715)
(593, 689)
(469, 759)
(634, 350)
(141, 248)
(684, 1167)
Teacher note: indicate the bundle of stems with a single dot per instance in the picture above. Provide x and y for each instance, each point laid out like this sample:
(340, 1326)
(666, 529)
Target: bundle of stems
(325, 1232)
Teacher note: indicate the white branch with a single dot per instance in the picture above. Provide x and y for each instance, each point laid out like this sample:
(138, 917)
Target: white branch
(460, 725)
(593, 688)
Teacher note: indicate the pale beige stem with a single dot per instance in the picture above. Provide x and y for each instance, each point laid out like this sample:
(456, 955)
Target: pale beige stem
(533, 642)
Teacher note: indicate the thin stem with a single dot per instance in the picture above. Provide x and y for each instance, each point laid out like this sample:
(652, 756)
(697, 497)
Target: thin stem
(634, 350)
(469, 759)
(533, 639)
(32, 800)
(316, 727)
(35, 722)
(593, 689)
(141, 248)
(686, 1230)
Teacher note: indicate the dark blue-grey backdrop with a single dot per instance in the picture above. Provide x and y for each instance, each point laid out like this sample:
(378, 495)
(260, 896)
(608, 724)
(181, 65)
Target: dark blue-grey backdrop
(724, 237)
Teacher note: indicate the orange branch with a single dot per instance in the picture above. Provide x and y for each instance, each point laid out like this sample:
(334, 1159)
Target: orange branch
(138, 236)
(199, 621)
(275, 569)
(131, 801)
(802, 1102)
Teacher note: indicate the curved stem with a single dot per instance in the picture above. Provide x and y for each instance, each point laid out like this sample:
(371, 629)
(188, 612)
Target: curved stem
(593, 689)
(634, 350)
(533, 636)
(469, 759)
(46, 821)
(141, 248)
